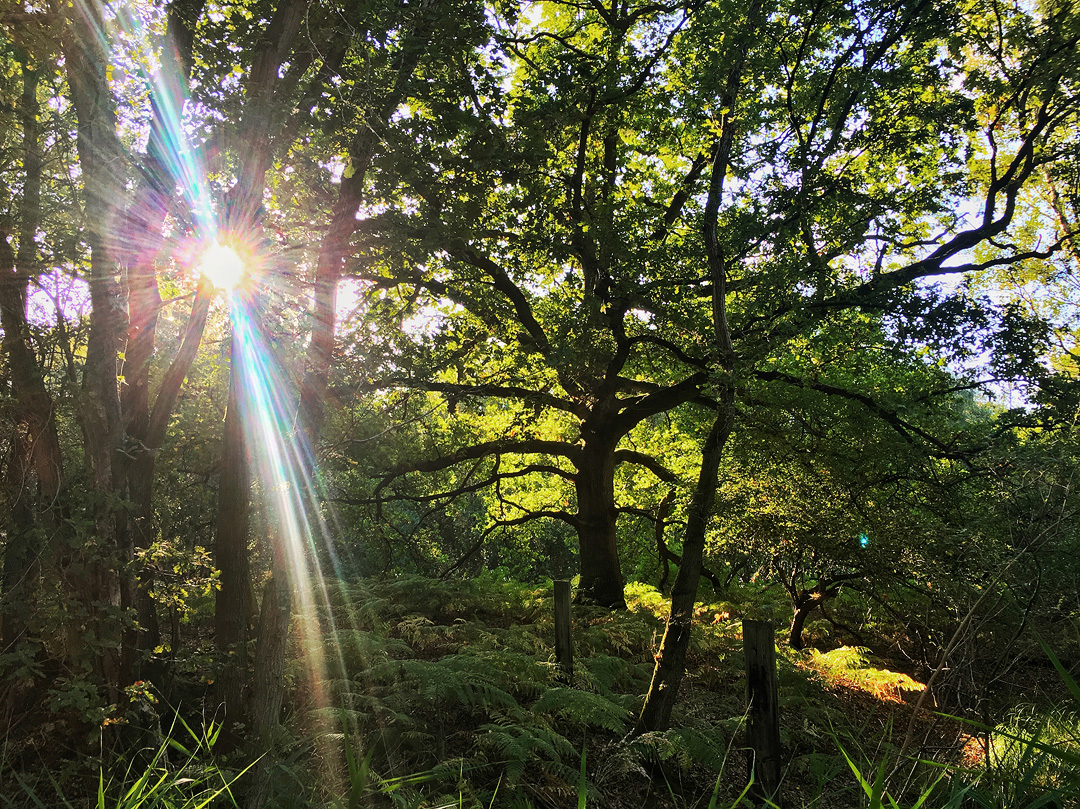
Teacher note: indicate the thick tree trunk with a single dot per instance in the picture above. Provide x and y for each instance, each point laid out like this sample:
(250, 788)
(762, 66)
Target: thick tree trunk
(601, 574)
(798, 622)
(103, 172)
(268, 675)
(803, 607)
(806, 601)
(103, 166)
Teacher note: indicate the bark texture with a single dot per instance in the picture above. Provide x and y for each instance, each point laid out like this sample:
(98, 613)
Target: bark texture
(143, 240)
(601, 573)
(35, 469)
(671, 661)
(233, 610)
(233, 607)
(104, 168)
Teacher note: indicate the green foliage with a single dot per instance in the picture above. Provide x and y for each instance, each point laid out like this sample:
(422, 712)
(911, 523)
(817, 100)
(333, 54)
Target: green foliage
(853, 664)
(684, 746)
(1041, 745)
(533, 230)
(591, 710)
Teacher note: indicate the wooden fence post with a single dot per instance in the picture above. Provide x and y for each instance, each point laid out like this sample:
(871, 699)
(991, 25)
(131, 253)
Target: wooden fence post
(564, 644)
(763, 721)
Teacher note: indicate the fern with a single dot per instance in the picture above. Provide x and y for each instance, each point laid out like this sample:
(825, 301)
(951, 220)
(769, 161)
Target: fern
(854, 664)
(684, 746)
(581, 707)
(453, 668)
(448, 682)
(608, 675)
(519, 745)
(358, 650)
(625, 634)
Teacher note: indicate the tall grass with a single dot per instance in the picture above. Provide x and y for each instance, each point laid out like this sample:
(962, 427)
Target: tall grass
(180, 774)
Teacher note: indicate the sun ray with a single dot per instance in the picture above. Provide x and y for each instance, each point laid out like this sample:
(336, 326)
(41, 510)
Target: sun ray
(285, 467)
(287, 476)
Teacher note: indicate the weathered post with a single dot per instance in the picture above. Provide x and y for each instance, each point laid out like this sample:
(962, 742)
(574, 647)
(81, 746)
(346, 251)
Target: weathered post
(763, 721)
(564, 644)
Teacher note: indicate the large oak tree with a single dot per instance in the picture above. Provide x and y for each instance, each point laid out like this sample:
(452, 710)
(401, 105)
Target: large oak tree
(645, 206)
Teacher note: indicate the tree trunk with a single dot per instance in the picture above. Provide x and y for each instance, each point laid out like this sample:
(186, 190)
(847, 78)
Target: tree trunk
(663, 554)
(232, 609)
(804, 605)
(141, 470)
(103, 167)
(601, 574)
(268, 674)
(144, 232)
(102, 163)
(671, 661)
(232, 612)
(35, 470)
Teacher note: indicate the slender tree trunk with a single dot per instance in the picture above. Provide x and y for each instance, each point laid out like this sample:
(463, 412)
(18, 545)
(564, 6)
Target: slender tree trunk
(671, 661)
(275, 616)
(232, 610)
(332, 253)
(141, 474)
(142, 241)
(35, 472)
(663, 554)
(103, 166)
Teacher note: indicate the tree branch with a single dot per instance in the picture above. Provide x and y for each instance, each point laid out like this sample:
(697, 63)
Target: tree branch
(647, 461)
(486, 449)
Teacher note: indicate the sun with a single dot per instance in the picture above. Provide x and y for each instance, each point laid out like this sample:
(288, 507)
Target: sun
(222, 267)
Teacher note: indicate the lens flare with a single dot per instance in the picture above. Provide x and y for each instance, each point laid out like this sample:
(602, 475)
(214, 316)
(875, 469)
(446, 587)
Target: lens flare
(288, 490)
(222, 267)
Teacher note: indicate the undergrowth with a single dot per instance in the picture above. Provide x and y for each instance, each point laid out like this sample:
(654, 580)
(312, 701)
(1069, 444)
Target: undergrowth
(179, 773)
(446, 694)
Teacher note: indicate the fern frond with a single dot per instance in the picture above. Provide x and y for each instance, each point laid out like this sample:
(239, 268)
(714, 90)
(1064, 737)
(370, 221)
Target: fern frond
(582, 707)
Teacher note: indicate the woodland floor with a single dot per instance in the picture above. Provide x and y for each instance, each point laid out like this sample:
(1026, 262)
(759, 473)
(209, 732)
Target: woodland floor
(448, 694)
